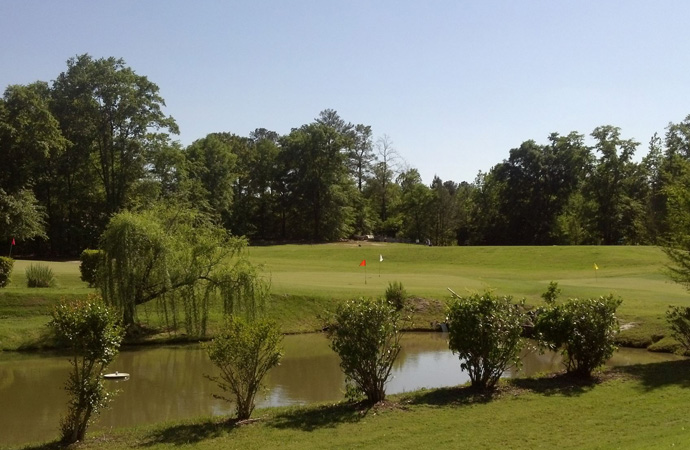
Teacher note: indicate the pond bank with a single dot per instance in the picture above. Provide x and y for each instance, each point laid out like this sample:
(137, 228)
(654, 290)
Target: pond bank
(641, 406)
(168, 383)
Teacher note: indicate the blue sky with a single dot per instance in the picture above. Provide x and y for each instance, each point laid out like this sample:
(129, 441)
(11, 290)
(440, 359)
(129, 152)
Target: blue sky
(454, 84)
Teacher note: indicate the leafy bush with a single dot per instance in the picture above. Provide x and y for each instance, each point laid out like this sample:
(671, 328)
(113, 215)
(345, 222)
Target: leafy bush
(364, 333)
(552, 293)
(39, 275)
(89, 262)
(6, 266)
(91, 332)
(396, 295)
(678, 317)
(584, 330)
(485, 331)
(244, 352)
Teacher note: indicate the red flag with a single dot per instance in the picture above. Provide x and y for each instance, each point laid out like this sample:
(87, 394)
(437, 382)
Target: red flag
(13, 242)
(363, 263)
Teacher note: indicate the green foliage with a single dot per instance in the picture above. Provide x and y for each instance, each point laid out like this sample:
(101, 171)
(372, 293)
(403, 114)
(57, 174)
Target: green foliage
(89, 263)
(91, 332)
(678, 317)
(552, 293)
(365, 334)
(21, 217)
(584, 330)
(111, 114)
(317, 181)
(211, 163)
(6, 266)
(176, 256)
(39, 275)
(484, 330)
(244, 352)
(396, 294)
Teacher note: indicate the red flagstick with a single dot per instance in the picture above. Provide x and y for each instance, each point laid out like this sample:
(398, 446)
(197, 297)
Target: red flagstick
(364, 263)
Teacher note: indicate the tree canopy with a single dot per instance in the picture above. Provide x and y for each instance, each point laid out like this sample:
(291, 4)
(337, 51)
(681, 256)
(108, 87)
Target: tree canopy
(97, 141)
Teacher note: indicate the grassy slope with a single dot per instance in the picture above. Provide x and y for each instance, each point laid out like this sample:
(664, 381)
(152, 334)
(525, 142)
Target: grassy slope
(24, 311)
(634, 273)
(634, 407)
(309, 279)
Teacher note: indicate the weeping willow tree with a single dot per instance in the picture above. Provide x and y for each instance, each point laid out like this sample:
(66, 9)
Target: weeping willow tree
(178, 260)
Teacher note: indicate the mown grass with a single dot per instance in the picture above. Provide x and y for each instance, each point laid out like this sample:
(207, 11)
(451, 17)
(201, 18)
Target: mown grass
(307, 280)
(636, 274)
(640, 406)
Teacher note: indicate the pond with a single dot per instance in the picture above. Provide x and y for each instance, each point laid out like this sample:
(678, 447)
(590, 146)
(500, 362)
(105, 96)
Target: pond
(168, 383)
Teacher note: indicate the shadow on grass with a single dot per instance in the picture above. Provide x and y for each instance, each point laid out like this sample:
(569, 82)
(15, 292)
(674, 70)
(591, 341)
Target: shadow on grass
(561, 384)
(55, 445)
(45, 340)
(189, 433)
(321, 416)
(657, 375)
(565, 384)
(457, 395)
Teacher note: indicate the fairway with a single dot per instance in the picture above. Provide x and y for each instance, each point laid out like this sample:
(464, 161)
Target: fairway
(635, 273)
(307, 280)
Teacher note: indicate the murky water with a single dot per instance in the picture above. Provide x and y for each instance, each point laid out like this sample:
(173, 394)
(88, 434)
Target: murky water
(168, 383)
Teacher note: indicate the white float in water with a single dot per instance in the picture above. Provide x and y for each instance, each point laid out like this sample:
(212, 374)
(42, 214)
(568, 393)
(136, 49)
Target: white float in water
(116, 376)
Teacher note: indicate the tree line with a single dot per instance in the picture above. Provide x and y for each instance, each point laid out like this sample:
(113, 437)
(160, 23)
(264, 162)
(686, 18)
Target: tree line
(95, 141)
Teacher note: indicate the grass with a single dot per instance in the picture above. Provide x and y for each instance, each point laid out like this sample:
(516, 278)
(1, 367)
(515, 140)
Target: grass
(636, 274)
(640, 406)
(307, 280)
(633, 407)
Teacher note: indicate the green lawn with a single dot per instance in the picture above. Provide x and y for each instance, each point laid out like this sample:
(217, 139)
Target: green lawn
(636, 407)
(634, 273)
(306, 280)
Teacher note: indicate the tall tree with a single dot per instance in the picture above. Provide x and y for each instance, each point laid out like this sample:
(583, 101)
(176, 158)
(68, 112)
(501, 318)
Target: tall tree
(30, 137)
(612, 187)
(254, 187)
(445, 211)
(382, 189)
(317, 179)
(21, 217)
(211, 163)
(537, 182)
(110, 113)
(360, 158)
(415, 206)
(361, 154)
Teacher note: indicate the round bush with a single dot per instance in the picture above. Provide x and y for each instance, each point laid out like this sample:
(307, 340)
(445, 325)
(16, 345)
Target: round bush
(485, 331)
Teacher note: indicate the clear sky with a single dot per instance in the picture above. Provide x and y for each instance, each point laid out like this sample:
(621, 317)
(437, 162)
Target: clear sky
(454, 84)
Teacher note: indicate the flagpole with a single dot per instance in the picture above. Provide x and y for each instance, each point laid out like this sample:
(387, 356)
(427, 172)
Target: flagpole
(11, 245)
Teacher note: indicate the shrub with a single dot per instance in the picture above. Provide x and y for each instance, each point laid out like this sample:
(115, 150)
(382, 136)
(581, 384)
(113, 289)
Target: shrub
(485, 331)
(91, 332)
(678, 318)
(551, 294)
(584, 330)
(244, 352)
(364, 333)
(89, 262)
(6, 266)
(396, 295)
(39, 275)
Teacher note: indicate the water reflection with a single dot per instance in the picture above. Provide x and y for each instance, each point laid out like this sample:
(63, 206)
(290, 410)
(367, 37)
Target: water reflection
(169, 384)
